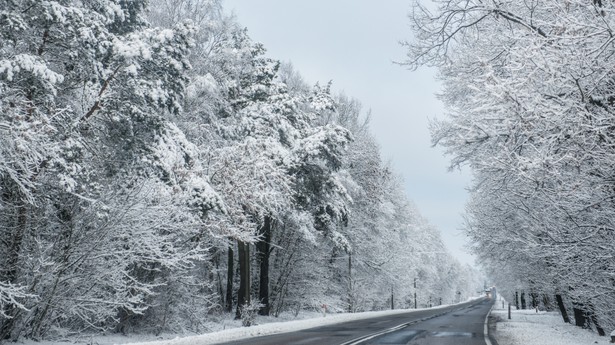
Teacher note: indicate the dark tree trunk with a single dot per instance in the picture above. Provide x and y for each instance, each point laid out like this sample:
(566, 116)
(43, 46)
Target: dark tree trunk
(579, 315)
(229, 280)
(546, 301)
(592, 316)
(534, 297)
(562, 308)
(263, 246)
(243, 295)
(523, 304)
(517, 300)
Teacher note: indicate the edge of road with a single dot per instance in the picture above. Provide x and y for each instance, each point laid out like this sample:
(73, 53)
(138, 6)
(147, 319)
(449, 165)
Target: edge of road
(270, 329)
(489, 338)
(393, 329)
(486, 327)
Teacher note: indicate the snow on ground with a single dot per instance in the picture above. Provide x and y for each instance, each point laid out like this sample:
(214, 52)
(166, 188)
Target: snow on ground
(278, 327)
(273, 328)
(542, 328)
(227, 329)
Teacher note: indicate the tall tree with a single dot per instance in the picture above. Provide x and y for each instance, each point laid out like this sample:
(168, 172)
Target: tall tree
(86, 88)
(530, 100)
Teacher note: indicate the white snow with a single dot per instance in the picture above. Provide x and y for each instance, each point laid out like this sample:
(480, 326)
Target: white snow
(270, 326)
(274, 328)
(226, 329)
(542, 328)
(29, 63)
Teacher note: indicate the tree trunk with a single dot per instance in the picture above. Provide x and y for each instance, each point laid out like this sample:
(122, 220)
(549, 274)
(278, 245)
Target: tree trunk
(229, 280)
(523, 304)
(592, 316)
(263, 247)
(517, 300)
(243, 295)
(580, 318)
(579, 315)
(546, 301)
(562, 308)
(534, 297)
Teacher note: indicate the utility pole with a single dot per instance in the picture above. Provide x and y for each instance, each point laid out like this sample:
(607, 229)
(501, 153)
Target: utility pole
(415, 293)
(392, 300)
(350, 298)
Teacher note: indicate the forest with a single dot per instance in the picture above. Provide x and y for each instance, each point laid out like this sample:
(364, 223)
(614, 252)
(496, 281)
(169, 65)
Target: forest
(158, 169)
(529, 87)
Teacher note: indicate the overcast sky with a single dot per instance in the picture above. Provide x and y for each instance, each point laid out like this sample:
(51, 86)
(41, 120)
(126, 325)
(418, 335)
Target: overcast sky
(354, 43)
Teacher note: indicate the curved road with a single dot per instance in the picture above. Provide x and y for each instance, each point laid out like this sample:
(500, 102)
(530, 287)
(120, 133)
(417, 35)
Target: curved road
(461, 324)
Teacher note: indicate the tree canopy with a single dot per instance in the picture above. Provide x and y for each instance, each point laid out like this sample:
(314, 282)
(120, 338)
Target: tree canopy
(529, 90)
(158, 169)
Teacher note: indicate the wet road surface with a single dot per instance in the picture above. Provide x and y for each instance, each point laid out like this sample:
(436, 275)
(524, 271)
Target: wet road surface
(462, 324)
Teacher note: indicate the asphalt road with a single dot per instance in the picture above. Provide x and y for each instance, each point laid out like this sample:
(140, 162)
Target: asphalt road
(462, 324)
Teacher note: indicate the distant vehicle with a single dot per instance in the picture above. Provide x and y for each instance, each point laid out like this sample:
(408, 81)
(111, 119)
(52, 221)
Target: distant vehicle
(490, 293)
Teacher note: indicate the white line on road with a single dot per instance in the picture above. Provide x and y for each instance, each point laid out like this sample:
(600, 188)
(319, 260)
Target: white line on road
(374, 335)
(360, 340)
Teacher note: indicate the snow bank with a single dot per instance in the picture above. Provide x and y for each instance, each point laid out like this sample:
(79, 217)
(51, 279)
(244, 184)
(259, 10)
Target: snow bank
(268, 326)
(226, 330)
(274, 328)
(543, 328)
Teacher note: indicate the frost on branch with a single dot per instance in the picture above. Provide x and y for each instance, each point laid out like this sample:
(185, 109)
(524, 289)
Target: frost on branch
(28, 64)
(14, 296)
(138, 163)
(529, 90)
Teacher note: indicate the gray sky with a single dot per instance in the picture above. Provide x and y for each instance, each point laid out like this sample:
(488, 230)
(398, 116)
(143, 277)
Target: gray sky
(353, 43)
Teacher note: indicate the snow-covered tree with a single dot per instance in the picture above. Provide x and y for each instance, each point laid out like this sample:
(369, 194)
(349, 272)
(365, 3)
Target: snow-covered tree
(530, 97)
(86, 87)
(140, 146)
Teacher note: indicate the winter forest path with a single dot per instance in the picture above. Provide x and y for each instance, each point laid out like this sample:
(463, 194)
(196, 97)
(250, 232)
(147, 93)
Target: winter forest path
(461, 324)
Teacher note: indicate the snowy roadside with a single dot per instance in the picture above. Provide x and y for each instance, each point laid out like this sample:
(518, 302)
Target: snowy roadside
(280, 327)
(233, 331)
(542, 328)
(273, 328)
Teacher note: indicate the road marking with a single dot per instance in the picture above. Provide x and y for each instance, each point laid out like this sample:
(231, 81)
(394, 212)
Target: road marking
(396, 328)
(486, 331)
(374, 335)
(357, 341)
